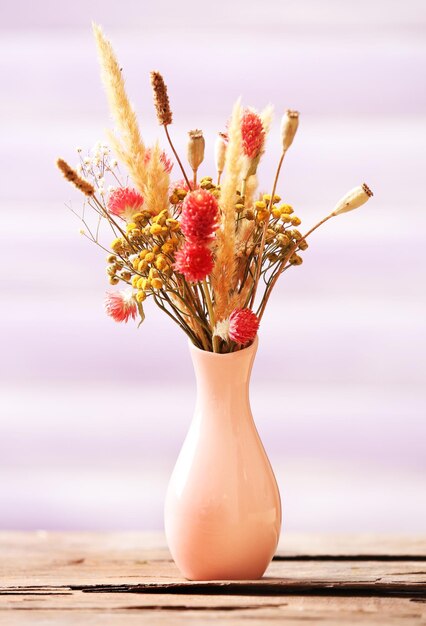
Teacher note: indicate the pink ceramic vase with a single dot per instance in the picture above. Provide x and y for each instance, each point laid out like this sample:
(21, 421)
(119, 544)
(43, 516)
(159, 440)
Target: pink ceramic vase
(223, 510)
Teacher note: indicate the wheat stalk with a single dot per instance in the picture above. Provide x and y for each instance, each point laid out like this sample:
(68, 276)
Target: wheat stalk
(225, 263)
(156, 189)
(129, 147)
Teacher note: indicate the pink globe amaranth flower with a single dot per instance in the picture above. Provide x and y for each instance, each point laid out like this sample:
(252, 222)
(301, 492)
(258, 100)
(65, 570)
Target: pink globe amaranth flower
(199, 218)
(120, 305)
(252, 134)
(182, 184)
(165, 160)
(243, 326)
(124, 202)
(194, 261)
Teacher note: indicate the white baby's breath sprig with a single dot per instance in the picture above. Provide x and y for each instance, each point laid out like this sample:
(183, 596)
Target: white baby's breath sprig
(355, 198)
(289, 125)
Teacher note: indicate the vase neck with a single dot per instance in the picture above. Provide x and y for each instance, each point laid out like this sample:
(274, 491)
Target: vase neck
(223, 381)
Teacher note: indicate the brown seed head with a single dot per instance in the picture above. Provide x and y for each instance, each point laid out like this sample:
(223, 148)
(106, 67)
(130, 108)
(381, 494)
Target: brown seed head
(83, 185)
(161, 99)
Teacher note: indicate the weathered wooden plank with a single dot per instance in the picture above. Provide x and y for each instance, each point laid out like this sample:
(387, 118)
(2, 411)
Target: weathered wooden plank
(290, 544)
(129, 578)
(138, 562)
(363, 544)
(230, 610)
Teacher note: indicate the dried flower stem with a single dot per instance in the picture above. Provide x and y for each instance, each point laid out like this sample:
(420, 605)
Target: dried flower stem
(284, 262)
(265, 228)
(183, 326)
(112, 222)
(209, 303)
(195, 302)
(177, 158)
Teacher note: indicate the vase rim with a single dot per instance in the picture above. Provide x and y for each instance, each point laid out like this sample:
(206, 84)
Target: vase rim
(214, 355)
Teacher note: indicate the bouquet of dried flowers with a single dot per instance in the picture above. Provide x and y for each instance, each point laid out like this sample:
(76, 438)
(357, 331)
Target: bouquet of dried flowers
(208, 250)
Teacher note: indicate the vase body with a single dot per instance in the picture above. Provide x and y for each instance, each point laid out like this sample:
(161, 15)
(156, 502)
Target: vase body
(222, 509)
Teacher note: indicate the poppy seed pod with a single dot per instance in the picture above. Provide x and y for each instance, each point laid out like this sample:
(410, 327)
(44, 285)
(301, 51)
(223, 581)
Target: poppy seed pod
(353, 199)
(196, 145)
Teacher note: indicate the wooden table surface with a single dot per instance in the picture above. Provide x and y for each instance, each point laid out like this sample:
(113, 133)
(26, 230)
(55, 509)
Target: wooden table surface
(129, 578)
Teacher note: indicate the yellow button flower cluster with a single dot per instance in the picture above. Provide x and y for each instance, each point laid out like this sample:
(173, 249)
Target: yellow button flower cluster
(178, 196)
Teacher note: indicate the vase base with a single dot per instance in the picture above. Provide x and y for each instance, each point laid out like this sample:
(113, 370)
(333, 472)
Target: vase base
(204, 575)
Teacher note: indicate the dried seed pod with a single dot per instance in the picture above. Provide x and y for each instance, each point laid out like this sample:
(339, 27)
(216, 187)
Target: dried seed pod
(196, 146)
(220, 152)
(289, 125)
(353, 199)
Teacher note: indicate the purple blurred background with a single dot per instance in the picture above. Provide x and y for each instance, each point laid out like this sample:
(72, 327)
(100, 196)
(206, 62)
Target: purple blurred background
(92, 413)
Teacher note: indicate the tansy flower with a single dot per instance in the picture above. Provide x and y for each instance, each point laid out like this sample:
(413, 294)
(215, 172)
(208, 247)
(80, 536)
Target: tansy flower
(194, 261)
(199, 216)
(124, 202)
(252, 134)
(243, 326)
(165, 161)
(120, 305)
